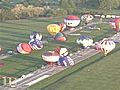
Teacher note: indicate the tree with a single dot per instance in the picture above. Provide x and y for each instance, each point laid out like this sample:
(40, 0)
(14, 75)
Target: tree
(37, 2)
(109, 4)
(67, 5)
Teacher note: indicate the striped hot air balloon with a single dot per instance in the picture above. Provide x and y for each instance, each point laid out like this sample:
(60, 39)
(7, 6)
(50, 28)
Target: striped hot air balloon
(85, 41)
(50, 57)
(65, 61)
(60, 37)
(106, 46)
(36, 44)
(72, 21)
(24, 48)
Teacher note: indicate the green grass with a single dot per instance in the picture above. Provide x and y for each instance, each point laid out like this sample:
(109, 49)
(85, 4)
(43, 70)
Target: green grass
(16, 31)
(96, 73)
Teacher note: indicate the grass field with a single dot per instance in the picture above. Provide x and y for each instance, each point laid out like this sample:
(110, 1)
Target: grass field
(96, 73)
(16, 31)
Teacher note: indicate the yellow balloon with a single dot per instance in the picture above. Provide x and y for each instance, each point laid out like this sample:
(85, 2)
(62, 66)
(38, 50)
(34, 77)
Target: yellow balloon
(53, 29)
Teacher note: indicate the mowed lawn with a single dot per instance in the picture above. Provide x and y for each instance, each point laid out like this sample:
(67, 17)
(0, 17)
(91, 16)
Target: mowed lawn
(96, 73)
(16, 31)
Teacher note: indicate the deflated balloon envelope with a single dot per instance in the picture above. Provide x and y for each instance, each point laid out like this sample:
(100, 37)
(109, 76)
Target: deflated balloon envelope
(36, 44)
(60, 37)
(85, 41)
(24, 48)
(65, 61)
(36, 35)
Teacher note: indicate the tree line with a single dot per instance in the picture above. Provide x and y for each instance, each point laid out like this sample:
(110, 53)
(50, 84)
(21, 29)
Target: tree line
(12, 9)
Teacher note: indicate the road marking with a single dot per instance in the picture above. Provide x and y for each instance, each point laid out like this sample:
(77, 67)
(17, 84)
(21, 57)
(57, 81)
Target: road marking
(37, 80)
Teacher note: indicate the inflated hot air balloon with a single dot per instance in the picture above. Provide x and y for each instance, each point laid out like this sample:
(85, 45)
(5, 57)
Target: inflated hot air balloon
(24, 48)
(85, 41)
(72, 21)
(65, 61)
(106, 46)
(35, 35)
(115, 24)
(61, 51)
(60, 37)
(36, 44)
(87, 18)
(50, 57)
(53, 29)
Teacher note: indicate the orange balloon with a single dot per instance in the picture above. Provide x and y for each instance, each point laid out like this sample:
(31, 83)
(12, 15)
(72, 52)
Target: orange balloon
(53, 29)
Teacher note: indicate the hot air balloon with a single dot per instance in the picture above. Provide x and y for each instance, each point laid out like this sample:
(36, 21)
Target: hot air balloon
(62, 26)
(65, 61)
(50, 57)
(87, 18)
(72, 21)
(53, 29)
(106, 46)
(61, 51)
(85, 41)
(60, 37)
(36, 44)
(24, 48)
(115, 24)
(35, 35)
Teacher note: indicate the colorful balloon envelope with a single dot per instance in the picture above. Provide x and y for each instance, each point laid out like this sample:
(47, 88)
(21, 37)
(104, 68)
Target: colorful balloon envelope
(106, 46)
(63, 26)
(24, 48)
(53, 29)
(72, 21)
(36, 35)
(36, 44)
(87, 18)
(62, 51)
(60, 37)
(85, 41)
(65, 61)
(50, 56)
(115, 23)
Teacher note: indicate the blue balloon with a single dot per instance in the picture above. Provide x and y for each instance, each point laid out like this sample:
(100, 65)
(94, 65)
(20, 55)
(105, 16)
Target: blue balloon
(65, 61)
(36, 44)
(85, 41)
(35, 35)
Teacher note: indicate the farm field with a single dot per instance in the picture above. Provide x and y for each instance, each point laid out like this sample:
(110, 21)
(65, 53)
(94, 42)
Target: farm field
(16, 31)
